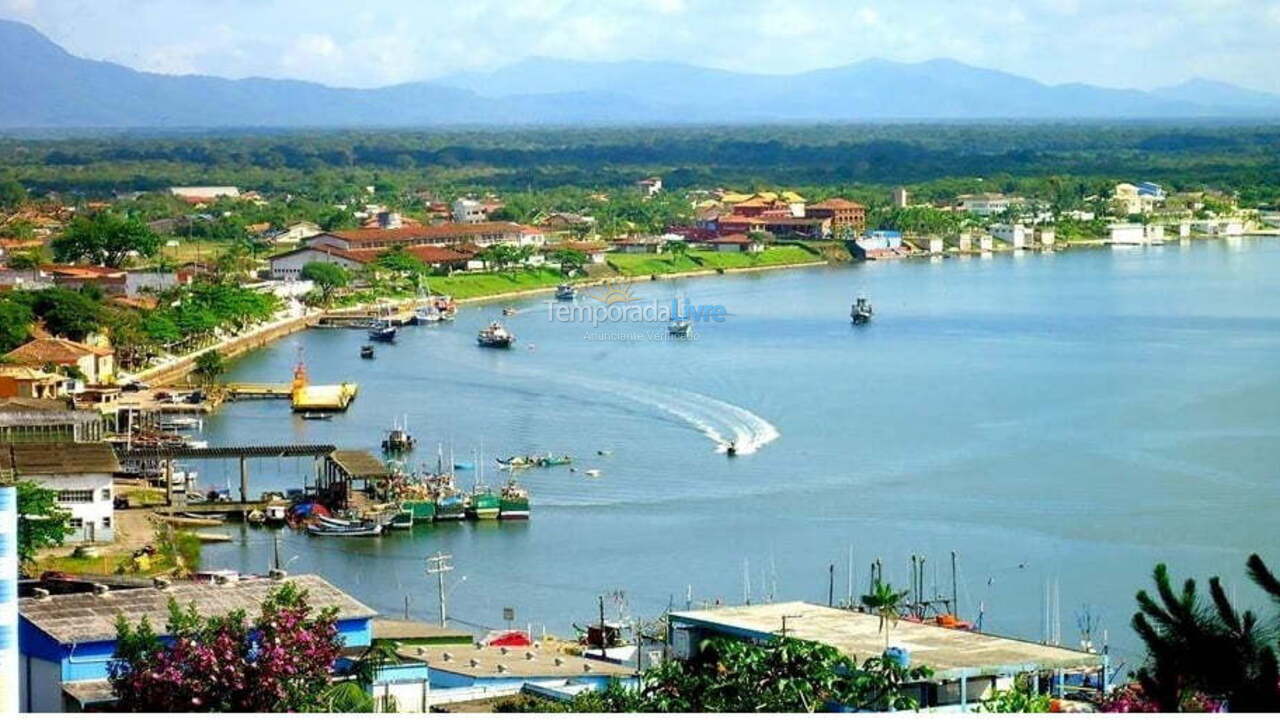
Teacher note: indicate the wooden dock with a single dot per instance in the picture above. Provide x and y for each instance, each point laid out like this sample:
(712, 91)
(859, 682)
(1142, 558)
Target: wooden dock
(258, 391)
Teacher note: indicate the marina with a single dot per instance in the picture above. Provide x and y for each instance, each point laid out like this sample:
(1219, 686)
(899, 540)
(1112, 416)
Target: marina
(675, 514)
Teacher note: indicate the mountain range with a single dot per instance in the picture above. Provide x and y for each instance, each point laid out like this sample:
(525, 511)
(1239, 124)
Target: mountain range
(44, 86)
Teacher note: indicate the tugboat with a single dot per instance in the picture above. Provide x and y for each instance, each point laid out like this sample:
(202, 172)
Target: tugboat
(565, 291)
(383, 332)
(495, 336)
(514, 504)
(861, 311)
(680, 328)
(366, 352)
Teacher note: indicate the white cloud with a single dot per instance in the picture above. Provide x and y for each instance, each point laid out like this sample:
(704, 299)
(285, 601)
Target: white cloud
(1140, 44)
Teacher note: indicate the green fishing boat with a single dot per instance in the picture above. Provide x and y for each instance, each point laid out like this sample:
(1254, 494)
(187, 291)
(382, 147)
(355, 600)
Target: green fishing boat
(422, 510)
(514, 504)
(485, 503)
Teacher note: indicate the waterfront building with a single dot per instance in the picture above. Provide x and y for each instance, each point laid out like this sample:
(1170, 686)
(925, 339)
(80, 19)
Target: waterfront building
(44, 420)
(1015, 234)
(1132, 199)
(459, 673)
(733, 243)
(986, 243)
(81, 473)
(968, 666)
(843, 213)
(94, 364)
(67, 641)
(1046, 236)
(288, 265)
(640, 244)
(881, 240)
(1126, 234)
(481, 234)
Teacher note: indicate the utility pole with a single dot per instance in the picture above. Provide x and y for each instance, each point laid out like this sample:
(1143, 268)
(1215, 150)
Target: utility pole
(438, 565)
(955, 596)
(602, 639)
(831, 585)
(275, 543)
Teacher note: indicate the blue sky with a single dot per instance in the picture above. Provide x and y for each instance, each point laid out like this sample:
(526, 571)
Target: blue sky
(1133, 43)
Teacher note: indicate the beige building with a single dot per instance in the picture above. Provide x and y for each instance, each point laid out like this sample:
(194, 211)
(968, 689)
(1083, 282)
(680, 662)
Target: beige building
(96, 364)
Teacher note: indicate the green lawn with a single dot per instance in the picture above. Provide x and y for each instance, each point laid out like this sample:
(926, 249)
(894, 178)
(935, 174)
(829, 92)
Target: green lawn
(471, 285)
(651, 264)
(779, 255)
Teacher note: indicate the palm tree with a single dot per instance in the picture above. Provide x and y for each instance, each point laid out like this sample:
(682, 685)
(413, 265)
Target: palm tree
(886, 602)
(1209, 648)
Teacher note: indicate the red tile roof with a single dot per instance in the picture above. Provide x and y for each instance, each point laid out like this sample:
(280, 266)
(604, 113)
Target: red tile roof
(58, 351)
(837, 204)
(425, 233)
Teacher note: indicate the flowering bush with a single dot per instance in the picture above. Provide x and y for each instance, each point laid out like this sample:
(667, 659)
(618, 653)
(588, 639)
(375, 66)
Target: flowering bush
(1133, 699)
(280, 663)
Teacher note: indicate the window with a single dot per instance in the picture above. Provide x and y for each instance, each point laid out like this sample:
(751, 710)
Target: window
(106, 493)
(75, 496)
(106, 522)
(76, 523)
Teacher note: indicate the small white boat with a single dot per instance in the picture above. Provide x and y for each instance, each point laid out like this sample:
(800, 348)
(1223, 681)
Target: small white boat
(593, 473)
(680, 328)
(566, 291)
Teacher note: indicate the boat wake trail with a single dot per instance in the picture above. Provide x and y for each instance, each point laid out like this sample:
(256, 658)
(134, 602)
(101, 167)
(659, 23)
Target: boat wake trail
(721, 422)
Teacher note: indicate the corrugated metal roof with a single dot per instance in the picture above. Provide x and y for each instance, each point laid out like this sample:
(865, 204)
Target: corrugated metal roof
(86, 617)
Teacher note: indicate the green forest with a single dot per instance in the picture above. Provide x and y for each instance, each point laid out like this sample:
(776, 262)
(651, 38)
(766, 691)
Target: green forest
(857, 161)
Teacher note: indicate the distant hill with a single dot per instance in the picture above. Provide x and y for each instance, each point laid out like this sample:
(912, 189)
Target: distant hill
(43, 86)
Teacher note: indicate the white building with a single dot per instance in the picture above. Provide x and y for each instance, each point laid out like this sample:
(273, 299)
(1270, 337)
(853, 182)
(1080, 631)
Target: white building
(81, 474)
(1015, 234)
(205, 192)
(296, 233)
(1127, 234)
(466, 210)
(650, 186)
(1046, 236)
(288, 265)
(986, 204)
(1153, 234)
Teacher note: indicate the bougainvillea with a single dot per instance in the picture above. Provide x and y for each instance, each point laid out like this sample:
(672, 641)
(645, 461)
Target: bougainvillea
(279, 663)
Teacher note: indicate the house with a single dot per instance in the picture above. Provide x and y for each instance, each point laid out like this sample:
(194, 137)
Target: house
(932, 244)
(987, 204)
(1151, 190)
(1015, 234)
(595, 251)
(288, 265)
(66, 642)
(112, 281)
(564, 222)
(843, 213)
(807, 227)
(81, 473)
(1131, 200)
(1153, 234)
(967, 666)
(24, 279)
(197, 195)
(153, 281)
(18, 381)
(1126, 234)
(94, 364)
(650, 186)
(639, 245)
(466, 210)
(296, 233)
(733, 243)
(481, 234)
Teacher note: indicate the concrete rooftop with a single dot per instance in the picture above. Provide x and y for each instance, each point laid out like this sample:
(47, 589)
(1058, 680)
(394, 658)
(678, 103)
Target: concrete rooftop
(950, 653)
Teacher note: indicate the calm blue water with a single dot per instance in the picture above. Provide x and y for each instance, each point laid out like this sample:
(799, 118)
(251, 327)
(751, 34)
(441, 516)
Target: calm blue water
(1074, 417)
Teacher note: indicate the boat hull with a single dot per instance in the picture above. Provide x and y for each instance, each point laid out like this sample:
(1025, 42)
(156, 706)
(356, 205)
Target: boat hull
(514, 510)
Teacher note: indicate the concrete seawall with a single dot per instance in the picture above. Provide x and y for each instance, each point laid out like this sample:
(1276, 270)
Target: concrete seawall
(179, 368)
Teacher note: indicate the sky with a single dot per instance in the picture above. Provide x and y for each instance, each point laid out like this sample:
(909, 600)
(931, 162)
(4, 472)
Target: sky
(365, 43)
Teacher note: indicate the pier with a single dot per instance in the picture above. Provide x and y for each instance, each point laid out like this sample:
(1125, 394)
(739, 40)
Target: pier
(241, 453)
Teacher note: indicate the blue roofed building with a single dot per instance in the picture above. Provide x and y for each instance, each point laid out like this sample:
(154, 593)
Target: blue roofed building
(66, 642)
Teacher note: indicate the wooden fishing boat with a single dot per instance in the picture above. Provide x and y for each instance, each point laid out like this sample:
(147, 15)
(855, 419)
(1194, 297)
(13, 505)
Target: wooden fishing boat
(350, 531)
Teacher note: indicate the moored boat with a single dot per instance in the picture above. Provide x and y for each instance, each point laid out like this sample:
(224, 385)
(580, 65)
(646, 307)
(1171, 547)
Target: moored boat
(552, 460)
(516, 461)
(402, 519)
(485, 504)
(316, 416)
(451, 504)
(495, 336)
(398, 440)
(427, 315)
(514, 503)
(366, 352)
(361, 530)
(422, 509)
(383, 332)
(565, 291)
